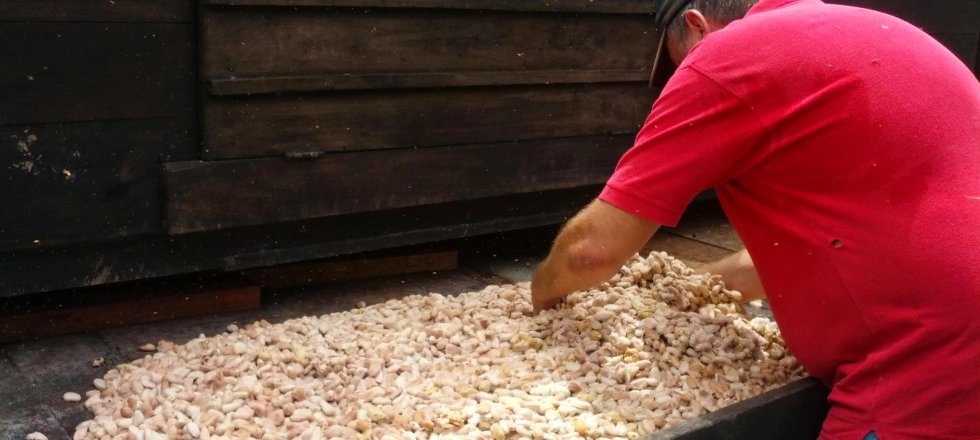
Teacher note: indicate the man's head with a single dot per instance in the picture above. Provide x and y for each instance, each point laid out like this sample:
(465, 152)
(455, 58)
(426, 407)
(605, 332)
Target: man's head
(686, 22)
(701, 18)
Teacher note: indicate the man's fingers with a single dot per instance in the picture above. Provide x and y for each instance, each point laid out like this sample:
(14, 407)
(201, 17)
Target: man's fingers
(541, 305)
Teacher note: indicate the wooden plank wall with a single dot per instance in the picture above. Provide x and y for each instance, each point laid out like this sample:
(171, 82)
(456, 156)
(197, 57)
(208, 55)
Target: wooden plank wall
(95, 95)
(289, 242)
(328, 81)
(326, 127)
(406, 103)
(348, 183)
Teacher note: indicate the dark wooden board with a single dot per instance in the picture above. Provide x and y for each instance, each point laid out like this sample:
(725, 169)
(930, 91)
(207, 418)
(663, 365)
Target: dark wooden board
(793, 411)
(124, 305)
(388, 239)
(363, 81)
(705, 221)
(352, 268)
(54, 268)
(59, 72)
(142, 11)
(85, 182)
(258, 43)
(103, 11)
(605, 6)
(205, 196)
(266, 126)
(950, 16)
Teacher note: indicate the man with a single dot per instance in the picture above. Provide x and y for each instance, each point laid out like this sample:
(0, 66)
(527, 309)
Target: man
(844, 145)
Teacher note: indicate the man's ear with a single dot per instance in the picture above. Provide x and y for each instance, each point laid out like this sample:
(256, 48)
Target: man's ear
(696, 23)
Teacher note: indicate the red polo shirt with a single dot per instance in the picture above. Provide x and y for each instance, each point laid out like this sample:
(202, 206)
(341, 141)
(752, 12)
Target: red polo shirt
(844, 145)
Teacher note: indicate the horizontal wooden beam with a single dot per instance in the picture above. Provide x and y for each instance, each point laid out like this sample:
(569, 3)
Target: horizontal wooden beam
(113, 306)
(74, 72)
(596, 6)
(78, 183)
(73, 11)
(364, 81)
(160, 255)
(238, 127)
(291, 42)
(347, 269)
(796, 410)
(384, 241)
(205, 196)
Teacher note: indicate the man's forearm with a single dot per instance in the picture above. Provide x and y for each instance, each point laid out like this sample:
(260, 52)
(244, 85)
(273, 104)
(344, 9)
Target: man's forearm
(558, 275)
(588, 250)
(738, 272)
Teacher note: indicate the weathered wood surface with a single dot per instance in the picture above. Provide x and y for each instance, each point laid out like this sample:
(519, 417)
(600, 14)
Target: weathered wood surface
(388, 239)
(69, 72)
(95, 95)
(105, 262)
(603, 6)
(704, 222)
(273, 125)
(103, 11)
(351, 268)
(793, 411)
(365, 81)
(247, 43)
(85, 182)
(125, 305)
(205, 196)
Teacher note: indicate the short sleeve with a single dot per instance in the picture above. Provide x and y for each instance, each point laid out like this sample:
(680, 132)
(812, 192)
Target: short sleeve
(698, 136)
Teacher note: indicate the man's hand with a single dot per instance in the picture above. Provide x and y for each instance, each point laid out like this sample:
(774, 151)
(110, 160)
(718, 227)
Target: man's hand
(589, 250)
(544, 304)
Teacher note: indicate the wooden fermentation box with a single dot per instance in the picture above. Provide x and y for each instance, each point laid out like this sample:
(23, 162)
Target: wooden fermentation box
(163, 137)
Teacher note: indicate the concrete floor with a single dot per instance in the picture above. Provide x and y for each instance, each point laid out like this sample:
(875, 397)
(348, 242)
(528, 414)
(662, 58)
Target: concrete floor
(35, 374)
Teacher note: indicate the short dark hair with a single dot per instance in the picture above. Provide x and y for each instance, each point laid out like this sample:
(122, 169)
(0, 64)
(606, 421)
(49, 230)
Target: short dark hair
(722, 11)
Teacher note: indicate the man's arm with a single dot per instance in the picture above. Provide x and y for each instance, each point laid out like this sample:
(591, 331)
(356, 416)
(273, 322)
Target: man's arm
(738, 272)
(589, 250)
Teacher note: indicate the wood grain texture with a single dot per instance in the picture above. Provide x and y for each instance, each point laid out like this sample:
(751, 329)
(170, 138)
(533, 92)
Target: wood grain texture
(104, 11)
(603, 6)
(113, 261)
(257, 43)
(365, 81)
(705, 221)
(84, 182)
(61, 72)
(264, 126)
(796, 411)
(389, 238)
(347, 269)
(222, 194)
(133, 308)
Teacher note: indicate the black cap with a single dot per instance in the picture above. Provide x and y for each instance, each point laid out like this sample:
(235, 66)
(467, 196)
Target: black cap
(667, 11)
